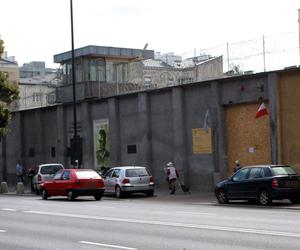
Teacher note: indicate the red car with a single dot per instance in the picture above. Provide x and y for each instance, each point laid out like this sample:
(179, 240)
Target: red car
(73, 183)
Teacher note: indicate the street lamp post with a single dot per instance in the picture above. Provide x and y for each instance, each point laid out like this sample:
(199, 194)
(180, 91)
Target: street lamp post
(75, 137)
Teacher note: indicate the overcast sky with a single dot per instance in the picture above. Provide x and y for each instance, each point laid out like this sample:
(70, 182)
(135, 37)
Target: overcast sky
(35, 30)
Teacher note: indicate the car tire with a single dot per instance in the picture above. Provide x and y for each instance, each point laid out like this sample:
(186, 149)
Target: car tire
(70, 195)
(222, 197)
(119, 193)
(150, 193)
(97, 197)
(294, 200)
(44, 194)
(264, 198)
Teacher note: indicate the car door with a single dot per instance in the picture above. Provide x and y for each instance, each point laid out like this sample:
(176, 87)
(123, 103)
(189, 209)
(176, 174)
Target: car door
(235, 186)
(108, 182)
(253, 182)
(53, 185)
(64, 183)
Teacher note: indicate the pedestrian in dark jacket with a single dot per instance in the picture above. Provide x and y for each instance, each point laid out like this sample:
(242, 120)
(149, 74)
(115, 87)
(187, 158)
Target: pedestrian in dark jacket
(237, 166)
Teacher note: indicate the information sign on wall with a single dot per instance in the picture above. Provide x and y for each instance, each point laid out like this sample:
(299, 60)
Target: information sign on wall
(201, 141)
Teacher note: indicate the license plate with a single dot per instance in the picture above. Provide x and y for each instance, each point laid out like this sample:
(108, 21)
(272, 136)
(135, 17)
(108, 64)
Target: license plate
(292, 184)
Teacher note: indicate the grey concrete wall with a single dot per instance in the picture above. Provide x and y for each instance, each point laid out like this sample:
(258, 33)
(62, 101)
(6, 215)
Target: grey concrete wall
(158, 122)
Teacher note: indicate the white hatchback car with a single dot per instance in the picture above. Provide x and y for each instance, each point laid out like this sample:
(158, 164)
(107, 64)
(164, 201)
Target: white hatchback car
(45, 172)
(127, 180)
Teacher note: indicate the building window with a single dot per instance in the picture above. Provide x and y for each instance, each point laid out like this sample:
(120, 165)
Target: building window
(117, 72)
(170, 81)
(185, 80)
(53, 152)
(31, 152)
(37, 97)
(131, 149)
(147, 80)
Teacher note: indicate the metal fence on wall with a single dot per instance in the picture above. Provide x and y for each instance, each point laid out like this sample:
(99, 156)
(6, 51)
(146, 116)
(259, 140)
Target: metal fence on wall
(265, 53)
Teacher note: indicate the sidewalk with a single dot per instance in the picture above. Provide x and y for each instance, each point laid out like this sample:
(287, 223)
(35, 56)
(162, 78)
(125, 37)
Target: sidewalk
(193, 196)
(159, 194)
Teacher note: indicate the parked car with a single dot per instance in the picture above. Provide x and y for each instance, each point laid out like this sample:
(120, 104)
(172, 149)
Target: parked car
(126, 180)
(73, 183)
(45, 172)
(262, 183)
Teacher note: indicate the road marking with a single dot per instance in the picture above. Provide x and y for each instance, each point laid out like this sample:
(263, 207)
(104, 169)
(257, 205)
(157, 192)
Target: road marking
(195, 213)
(106, 245)
(9, 209)
(2, 231)
(97, 206)
(170, 224)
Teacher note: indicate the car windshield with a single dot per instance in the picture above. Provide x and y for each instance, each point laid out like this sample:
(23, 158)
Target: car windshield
(87, 175)
(283, 170)
(136, 172)
(51, 169)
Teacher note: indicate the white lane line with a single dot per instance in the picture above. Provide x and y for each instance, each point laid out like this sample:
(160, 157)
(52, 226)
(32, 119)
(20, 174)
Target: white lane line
(9, 209)
(97, 206)
(106, 245)
(195, 213)
(171, 224)
(2, 231)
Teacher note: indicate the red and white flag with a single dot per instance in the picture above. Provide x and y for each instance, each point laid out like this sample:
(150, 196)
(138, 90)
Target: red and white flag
(262, 110)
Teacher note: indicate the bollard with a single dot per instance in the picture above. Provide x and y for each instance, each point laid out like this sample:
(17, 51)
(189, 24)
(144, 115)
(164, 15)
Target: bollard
(4, 188)
(20, 188)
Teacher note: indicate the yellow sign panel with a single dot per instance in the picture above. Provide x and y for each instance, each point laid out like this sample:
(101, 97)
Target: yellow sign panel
(201, 141)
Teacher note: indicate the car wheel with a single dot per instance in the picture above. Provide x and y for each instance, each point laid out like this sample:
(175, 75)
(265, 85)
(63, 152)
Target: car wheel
(97, 197)
(44, 194)
(119, 192)
(222, 197)
(264, 198)
(71, 195)
(294, 200)
(150, 193)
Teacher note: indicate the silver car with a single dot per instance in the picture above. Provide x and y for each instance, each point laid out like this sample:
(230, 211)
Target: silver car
(45, 172)
(126, 180)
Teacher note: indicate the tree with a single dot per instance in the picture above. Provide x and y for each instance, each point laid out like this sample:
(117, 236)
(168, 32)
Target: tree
(8, 93)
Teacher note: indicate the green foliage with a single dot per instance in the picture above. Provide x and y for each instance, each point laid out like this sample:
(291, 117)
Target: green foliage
(1, 47)
(8, 93)
(4, 116)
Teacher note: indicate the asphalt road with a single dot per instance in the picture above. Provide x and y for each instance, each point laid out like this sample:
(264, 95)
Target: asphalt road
(163, 222)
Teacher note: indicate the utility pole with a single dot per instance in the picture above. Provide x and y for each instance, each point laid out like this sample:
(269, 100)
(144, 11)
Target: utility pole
(264, 52)
(74, 147)
(228, 65)
(299, 32)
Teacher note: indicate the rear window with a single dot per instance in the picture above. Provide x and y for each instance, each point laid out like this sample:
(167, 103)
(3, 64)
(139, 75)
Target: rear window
(51, 169)
(87, 175)
(136, 172)
(284, 170)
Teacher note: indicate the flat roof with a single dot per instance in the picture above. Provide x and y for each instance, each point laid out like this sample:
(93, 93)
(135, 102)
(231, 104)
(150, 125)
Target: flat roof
(103, 51)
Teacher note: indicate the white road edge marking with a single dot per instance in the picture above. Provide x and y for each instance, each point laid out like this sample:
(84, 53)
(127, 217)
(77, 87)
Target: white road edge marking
(171, 224)
(2, 231)
(194, 213)
(9, 209)
(106, 245)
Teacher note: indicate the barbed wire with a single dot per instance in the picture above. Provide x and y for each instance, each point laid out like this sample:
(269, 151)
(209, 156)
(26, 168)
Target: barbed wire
(284, 46)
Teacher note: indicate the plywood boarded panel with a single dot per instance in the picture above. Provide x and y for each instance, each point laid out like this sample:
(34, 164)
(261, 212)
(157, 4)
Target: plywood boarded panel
(248, 138)
(289, 103)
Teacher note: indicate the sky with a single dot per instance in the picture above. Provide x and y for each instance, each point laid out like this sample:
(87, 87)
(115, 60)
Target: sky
(35, 30)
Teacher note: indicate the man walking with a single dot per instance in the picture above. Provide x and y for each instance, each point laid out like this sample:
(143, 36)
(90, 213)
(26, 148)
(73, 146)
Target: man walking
(19, 172)
(172, 175)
